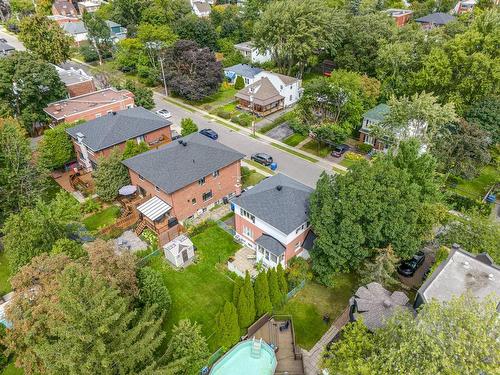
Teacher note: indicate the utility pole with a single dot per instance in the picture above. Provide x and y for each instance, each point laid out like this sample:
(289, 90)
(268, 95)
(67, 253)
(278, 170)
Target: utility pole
(163, 75)
(253, 120)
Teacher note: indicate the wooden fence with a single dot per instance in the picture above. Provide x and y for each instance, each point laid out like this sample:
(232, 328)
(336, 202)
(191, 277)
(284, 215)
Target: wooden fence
(122, 223)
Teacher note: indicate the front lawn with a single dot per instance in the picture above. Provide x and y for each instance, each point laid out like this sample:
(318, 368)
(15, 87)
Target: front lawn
(308, 307)
(102, 219)
(199, 291)
(294, 139)
(223, 96)
(316, 148)
(479, 186)
(4, 274)
(253, 179)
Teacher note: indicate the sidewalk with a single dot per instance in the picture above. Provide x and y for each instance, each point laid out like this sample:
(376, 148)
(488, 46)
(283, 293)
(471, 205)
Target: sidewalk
(326, 164)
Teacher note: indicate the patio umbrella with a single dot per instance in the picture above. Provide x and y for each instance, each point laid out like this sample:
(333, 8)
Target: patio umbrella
(127, 190)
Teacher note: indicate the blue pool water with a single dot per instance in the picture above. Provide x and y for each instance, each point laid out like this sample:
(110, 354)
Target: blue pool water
(239, 361)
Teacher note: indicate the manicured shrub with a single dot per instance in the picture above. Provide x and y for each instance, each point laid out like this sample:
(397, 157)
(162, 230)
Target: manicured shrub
(239, 83)
(353, 156)
(274, 289)
(221, 112)
(228, 330)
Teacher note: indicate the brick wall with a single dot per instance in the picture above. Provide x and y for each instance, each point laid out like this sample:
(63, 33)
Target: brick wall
(102, 110)
(290, 251)
(81, 88)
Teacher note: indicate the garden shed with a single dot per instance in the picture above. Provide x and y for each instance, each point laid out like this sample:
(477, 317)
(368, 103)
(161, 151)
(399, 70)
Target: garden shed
(179, 251)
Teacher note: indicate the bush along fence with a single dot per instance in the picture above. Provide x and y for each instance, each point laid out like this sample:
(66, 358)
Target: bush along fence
(295, 290)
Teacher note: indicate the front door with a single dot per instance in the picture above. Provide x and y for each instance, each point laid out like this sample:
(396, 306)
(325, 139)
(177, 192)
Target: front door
(184, 256)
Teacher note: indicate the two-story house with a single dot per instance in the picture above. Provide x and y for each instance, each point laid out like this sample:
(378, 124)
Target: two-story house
(184, 179)
(64, 8)
(270, 92)
(201, 8)
(272, 218)
(245, 71)
(90, 106)
(370, 118)
(97, 138)
(252, 54)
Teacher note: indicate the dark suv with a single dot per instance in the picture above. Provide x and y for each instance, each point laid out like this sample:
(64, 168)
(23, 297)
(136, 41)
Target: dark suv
(262, 158)
(410, 266)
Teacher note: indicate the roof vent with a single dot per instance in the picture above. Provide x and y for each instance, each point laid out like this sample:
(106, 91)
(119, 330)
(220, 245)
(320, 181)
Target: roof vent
(491, 277)
(466, 265)
(279, 187)
(114, 113)
(184, 143)
(180, 141)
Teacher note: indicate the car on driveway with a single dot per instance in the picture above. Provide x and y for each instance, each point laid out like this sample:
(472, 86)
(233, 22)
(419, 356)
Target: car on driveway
(408, 267)
(339, 150)
(209, 133)
(262, 158)
(164, 113)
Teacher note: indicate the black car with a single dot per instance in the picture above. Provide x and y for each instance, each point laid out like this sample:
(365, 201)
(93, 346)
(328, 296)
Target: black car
(339, 150)
(262, 158)
(410, 266)
(209, 133)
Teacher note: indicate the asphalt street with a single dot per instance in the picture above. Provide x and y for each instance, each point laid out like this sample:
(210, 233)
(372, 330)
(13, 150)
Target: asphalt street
(293, 166)
(11, 39)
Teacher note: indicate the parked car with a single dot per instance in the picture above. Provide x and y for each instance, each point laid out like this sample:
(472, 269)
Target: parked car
(339, 150)
(164, 113)
(410, 266)
(262, 158)
(209, 133)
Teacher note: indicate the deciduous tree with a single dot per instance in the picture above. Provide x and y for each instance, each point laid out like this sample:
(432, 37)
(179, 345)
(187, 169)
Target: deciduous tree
(382, 269)
(45, 38)
(132, 148)
(199, 30)
(98, 34)
(486, 114)
(56, 149)
(110, 176)
(68, 247)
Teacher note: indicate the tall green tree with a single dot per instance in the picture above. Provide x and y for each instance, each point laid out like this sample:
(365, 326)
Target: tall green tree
(82, 326)
(430, 344)
(486, 114)
(98, 33)
(34, 231)
(274, 289)
(27, 85)
(238, 284)
(250, 294)
(187, 347)
(110, 176)
(382, 269)
(200, 30)
(45, 38)
(152, 290)
(55, 149)
(188, 126)
(280, 274)
(132, 148)
(243, 308)
(294, 31)
(398, 207)
(71, 248)
(228, 330)
(143, 96)
(262, 300)
(21, 182)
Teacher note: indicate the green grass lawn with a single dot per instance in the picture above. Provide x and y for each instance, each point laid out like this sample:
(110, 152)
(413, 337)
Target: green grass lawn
(223, 96)
(479, 186)
(254, 178)
(316, 149)
(102, 219)
(348, 163)
(259, 166)
(309, 305)
(293, 152)
(199, 291)
(10, 369)
(294, 139)
(4, 274)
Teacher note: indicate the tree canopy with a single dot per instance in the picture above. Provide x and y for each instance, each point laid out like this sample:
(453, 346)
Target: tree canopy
(110, 176)
(56, 149)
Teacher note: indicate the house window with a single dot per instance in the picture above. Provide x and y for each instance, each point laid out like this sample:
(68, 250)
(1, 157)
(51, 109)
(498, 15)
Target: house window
(260, 250)
(141, 178)
(274, 258)
(247, 214)
(157, 188)
(370, 140)
(193, 201)
(130, 106)
(207, 195)
(302, 227)
(297, 246)
(215, 174)
(97, 115)
(201, 181)
(247, 81)
(290, 97)
(281, 87)
(247, 232)
(140, 139)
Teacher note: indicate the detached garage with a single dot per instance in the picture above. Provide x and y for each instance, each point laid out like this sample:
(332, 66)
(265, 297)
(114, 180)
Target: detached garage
(179, 251)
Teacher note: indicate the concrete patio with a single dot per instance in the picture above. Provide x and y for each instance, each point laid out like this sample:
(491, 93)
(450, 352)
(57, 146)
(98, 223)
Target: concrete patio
(130, 242)
(244, 260)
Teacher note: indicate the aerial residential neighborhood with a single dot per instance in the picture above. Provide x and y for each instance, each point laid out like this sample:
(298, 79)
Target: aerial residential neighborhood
(249, 187)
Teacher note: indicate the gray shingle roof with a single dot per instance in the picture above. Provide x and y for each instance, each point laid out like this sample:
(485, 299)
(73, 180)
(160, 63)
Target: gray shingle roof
(271, 244)
(115, 128)
(74, 28)
(262, 91)
(6, 47)
(244, 70)
(285, 209)
(436, 18)
(175, 166)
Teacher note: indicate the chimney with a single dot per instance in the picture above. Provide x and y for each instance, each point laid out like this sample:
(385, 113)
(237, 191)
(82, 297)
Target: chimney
(79, 137)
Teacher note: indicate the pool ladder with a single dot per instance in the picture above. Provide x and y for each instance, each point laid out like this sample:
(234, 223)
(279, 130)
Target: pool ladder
(256, 348)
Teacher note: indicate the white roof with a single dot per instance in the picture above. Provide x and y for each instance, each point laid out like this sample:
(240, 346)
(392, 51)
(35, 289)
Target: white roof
(154, 208)
(177, 245)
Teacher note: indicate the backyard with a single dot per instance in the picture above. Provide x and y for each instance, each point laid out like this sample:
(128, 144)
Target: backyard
(479, 186)
(102, 219)
(309, 305)
(199, 291)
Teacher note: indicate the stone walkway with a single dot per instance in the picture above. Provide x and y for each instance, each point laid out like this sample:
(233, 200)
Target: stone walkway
(214, 214)
(312, 358)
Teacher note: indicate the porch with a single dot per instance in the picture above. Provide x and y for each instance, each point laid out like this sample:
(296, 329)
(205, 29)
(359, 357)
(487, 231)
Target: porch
(261, 109)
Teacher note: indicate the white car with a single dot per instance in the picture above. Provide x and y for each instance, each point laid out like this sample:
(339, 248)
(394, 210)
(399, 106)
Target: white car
(164, 113)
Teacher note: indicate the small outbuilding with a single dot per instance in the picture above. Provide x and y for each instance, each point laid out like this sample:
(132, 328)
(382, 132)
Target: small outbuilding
(179, 251)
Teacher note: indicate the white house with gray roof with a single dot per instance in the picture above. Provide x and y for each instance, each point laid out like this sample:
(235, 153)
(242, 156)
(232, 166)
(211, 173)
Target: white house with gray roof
(252, 54)
(462, 272)
(245, 71)
(272, 218)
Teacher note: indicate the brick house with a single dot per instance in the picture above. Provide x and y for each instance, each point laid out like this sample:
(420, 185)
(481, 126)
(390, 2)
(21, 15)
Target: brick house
(77, 82)
(272, 218)
(90, 106)
(184, 179)
(64, 8)
(98, 137)
(400, 16)
(373, 116)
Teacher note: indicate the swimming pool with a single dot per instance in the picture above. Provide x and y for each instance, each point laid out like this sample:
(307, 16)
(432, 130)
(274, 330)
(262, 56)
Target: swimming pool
(239, 360)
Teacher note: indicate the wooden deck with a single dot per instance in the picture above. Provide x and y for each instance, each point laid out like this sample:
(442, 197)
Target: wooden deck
(288, 362)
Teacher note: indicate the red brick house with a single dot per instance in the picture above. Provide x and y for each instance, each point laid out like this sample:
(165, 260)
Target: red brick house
(90, 106)
(184, 179)
(97, 138)
(272, 218)
(400, 16)
(77, 82)
(64, 8)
